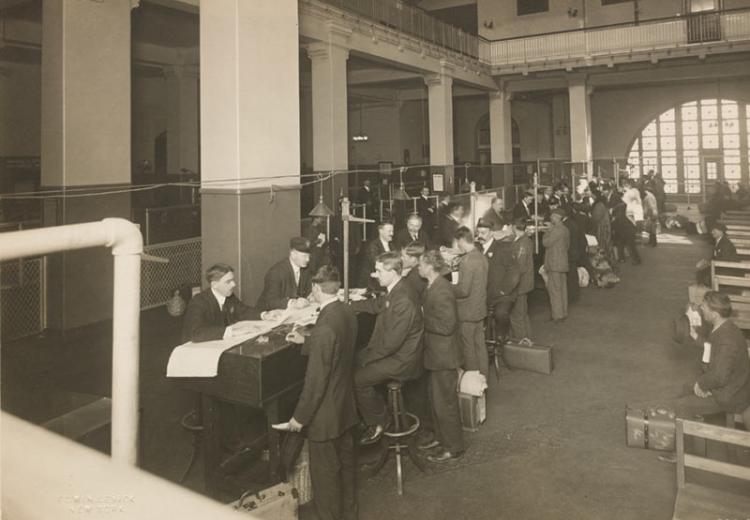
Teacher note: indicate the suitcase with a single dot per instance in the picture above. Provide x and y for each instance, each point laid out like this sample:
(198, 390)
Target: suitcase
(279, 502)
(536, 358)
(652, 428)
(473, 411)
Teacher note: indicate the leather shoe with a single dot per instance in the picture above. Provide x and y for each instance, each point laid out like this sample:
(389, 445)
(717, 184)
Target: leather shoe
(426, 446)
(372, 434)
(443, 456)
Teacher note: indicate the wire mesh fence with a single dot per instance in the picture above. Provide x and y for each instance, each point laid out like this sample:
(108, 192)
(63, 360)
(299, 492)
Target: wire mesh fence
(21, 298)
(159, 281)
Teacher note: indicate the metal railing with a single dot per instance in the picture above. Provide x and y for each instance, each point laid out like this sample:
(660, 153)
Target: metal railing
(22, 297)
(168, 223)
(663, 33)
(413, 21)
(159, 281)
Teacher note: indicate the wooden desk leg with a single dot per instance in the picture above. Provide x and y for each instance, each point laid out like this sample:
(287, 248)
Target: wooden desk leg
(272, 417)
(211, 444)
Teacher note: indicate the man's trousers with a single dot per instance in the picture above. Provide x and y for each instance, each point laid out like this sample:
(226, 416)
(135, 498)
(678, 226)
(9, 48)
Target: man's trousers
(473, 347)
(446, 417)
(333, 476)
(557, 288)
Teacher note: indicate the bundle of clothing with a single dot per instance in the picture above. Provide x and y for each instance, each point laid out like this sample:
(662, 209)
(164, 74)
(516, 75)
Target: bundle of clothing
(604, 275)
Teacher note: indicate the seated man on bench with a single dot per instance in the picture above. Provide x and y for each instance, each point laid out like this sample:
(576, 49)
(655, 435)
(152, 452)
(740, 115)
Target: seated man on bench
(724, 385)
(724, 250)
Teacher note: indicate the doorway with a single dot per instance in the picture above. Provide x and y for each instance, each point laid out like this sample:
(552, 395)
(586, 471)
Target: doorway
(703, 20)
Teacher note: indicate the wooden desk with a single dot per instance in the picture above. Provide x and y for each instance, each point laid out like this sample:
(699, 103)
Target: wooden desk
(251, 374)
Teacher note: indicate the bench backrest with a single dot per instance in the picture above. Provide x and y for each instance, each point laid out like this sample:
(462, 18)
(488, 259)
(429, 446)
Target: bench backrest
(739, 279)
(716, 433)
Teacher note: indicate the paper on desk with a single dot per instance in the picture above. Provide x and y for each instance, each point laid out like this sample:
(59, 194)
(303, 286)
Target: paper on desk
(202, 359)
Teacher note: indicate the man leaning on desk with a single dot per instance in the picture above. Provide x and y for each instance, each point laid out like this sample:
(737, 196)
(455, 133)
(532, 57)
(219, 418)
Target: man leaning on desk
(326, 407)
(287, 283)
(216, 313)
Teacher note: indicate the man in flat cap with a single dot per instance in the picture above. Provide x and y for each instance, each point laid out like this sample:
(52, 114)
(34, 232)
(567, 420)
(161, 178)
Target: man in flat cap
(287, 283)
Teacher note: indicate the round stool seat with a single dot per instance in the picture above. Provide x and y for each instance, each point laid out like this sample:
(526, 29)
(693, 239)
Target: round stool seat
(408, 430)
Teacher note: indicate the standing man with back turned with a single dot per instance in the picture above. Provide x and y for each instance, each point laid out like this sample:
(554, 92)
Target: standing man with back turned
(471, 297)
(326, 407)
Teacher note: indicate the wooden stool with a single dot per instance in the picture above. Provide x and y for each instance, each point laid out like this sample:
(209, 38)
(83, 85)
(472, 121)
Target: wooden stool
(400, 434)
(494, 345)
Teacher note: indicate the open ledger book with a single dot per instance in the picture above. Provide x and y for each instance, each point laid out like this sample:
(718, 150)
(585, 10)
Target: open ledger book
(202, 359)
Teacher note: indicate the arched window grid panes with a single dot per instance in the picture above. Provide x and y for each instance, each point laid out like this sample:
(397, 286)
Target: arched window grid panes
(694, 144)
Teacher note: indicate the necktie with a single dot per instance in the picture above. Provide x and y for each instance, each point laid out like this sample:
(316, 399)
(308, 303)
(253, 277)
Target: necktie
(226, 313)
(296, 277)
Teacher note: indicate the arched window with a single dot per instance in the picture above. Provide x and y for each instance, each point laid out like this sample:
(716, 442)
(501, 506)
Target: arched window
(695, 144)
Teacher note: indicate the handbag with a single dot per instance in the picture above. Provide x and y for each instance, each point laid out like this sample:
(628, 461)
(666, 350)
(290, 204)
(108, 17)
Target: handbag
(289, 451)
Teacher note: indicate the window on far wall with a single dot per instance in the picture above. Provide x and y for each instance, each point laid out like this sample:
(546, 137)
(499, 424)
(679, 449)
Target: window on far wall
(612, 2)
(532, 6)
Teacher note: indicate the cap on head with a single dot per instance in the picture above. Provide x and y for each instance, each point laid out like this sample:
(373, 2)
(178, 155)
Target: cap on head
(300, 244)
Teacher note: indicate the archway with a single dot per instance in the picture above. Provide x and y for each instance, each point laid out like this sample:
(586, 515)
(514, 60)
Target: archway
(695, 144)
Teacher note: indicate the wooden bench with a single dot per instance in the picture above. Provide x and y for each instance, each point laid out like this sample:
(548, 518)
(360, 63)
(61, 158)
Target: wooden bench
(734, 281)
(695, 501)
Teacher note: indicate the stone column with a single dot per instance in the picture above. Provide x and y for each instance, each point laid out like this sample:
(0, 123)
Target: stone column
(440, 109)
(580, 122)
(182, 119)
(250, 142)
(501, 139)
(85, 142)
(330, 116)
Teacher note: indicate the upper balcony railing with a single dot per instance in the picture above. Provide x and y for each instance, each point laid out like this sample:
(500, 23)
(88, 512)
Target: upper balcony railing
(628, 38)
(413, 21)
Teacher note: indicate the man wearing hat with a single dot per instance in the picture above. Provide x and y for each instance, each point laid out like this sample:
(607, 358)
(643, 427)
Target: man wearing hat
(556, 242)
(287, 283)
(724, 250)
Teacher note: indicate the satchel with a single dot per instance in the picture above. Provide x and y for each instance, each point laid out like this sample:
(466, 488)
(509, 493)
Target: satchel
(289, 451)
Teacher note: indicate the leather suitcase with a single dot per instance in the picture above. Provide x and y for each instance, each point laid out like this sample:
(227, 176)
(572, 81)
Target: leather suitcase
(651, 428)
(536, 358)
(279, 502)
(473, 411)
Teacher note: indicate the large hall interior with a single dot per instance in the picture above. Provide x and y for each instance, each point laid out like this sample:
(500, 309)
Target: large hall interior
(426, 259)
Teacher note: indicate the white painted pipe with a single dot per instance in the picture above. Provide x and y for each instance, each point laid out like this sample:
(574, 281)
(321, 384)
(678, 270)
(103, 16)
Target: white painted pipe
(126, 242)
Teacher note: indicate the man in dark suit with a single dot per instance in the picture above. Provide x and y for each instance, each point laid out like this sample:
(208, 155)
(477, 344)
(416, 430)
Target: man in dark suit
(216, 312)
(326, 407)
(413, 233)
(410, 260)
(449, 223)
(442, 357)
(502, 275)
(317, 233)
(524, 208)
(494, 215)
(471, 297)
(287, 283)
(395, 347)
(382, 243)
(576, 252)
(724, 385)
(426, 210)
(724, 250)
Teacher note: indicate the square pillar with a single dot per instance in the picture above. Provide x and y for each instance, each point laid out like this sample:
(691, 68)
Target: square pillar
(440, 109)
(580, 122)
(250, 137)
(330, 133)
(85, 142)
